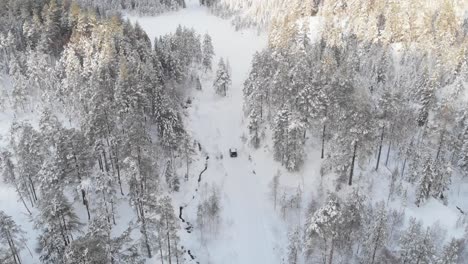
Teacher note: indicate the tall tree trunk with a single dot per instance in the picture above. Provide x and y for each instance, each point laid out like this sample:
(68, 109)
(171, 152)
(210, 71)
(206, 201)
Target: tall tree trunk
(332, 249)
(33, 188)
(87, 209)
(106, 164)
(440, 144)
(105, 204)
(113, 212)
(21, 197)
(403, 168)
(77, 167)
(388, 153)
(13, 250)
(117, 166)
(375, 246)
(67, 231)
(350, 182)
(380, 149)
(176, 252)
(62, 232)
(323, 141)
(145, 234)
(100, 163)
(160, 248)
(169, 247)
(30, 198)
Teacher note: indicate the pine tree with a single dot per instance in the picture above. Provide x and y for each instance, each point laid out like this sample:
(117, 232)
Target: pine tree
(416, 245)
(274, 185)
(442, 180)
(57, 223)
(169, 227)
(8, 173)
(222, 80)
(11, 236)
(28, 150)
(295, 145)
(463, 155)
(280, 134)
(450, 253)
(50, 41)
(425, 185)
(294, 246)
(208, 52)
(377, 234)
(105, 196)
(325, 224)
(254, 129)
(171, 178)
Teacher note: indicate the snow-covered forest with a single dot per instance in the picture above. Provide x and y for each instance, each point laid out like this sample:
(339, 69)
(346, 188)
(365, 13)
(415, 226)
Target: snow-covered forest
(233, 131)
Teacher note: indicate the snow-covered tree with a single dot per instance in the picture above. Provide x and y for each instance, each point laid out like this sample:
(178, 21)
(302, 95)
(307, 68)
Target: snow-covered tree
(222, 80)
(295, 245)
(376, 235)
(208, 52)
(275, 185)
(325, 224)
(425, 184)
(12, 237)
(57, 224)
(416, 244)
(450, 252)
(8, 173)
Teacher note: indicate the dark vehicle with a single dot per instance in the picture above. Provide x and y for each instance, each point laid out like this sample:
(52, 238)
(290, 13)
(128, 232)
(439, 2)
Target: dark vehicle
(233, 152)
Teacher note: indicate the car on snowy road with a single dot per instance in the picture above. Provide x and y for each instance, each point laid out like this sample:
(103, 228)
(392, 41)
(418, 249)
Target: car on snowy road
(233, 152)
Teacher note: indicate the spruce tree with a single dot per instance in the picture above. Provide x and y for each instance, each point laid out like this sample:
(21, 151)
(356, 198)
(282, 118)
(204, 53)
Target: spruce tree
(208, 52)
(222, 80)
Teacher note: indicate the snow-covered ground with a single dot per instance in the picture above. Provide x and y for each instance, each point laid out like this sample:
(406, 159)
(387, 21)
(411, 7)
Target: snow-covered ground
(251, 231)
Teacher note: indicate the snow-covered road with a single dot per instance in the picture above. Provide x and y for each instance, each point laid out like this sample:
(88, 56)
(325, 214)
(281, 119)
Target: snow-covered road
(246, 234)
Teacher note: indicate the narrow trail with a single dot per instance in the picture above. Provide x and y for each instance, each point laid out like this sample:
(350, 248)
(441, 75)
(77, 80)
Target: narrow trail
(189, 226)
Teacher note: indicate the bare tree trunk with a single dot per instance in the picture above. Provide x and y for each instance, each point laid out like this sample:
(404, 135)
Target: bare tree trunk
(440, 145)
(87, 209)
(105, 204)
(169, 247)
(160, 249)
(352, 165)
(21, 197)
(403, 168)
(65, 241)
(145, 234)
(112, 211)
(380, 149)
(117, 166)
(33, 189)
(388, 153)
(332, 249)
(325, 251)
(375, 246)
(13, 250)
(100, 163)
(106, 164)
(67, 232)
(323, 141)
(176, 252)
